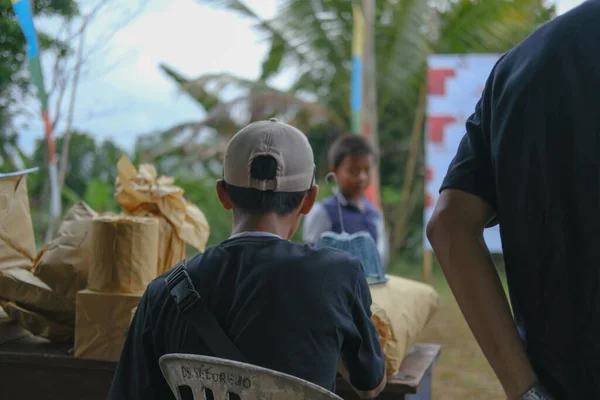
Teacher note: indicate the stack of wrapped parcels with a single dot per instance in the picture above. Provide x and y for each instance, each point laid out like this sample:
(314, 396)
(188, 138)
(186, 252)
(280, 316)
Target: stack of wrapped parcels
(84, 285)
(125, 260)
(37, 290)
(129, 252)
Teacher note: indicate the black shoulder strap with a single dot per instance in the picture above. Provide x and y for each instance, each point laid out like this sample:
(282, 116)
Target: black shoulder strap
(191, 307)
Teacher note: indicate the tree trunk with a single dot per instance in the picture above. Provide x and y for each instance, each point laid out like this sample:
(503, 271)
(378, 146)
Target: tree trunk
(404, 211)
(64, 154)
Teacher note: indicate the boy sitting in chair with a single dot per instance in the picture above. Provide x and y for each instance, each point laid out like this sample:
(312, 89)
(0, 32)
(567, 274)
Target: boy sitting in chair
(284, 306)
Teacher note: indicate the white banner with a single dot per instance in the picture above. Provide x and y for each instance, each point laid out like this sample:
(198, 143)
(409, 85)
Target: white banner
(455, 84)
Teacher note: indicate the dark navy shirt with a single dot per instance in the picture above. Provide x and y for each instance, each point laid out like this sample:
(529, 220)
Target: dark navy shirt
(287, 307)
(532, 151)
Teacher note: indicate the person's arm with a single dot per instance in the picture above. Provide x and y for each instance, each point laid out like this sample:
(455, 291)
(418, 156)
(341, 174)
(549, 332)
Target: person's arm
(371, 394)
(456, 234)
(138, 374)
(316, 222)
(363, 362)
(467, 204)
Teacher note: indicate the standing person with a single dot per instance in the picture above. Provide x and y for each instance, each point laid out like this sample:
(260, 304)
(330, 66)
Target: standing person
(351, 159)
(285, 306)
(530, 161)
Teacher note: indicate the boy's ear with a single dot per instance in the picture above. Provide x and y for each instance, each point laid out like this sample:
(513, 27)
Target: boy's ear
(309, 200)
(223, 196)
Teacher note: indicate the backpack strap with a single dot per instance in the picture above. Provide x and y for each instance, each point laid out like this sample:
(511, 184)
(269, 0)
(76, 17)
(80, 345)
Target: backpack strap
(191, 306)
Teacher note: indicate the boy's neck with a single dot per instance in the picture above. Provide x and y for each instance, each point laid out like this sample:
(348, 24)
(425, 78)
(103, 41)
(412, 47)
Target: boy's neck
(270, 223)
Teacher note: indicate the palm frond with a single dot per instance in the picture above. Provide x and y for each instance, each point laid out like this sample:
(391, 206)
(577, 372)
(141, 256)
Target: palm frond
(269, 29)
(490, 27)
(206, 100)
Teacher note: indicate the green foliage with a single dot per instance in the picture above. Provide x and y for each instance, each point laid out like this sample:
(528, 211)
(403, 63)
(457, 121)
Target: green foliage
(272, 62)
(315, 39)
(15, 84)
(14, 81)
(69, 195)
(202, 193)
(100, 196)
(90, 176)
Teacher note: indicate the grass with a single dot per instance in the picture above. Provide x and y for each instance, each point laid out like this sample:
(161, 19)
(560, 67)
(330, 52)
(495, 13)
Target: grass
(462, 372)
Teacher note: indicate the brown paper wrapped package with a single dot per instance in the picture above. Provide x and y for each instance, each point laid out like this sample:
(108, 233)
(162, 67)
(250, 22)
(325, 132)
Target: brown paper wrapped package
(124, 254)
(9, 329)
(22, 287)
(64, 263)
(17, 240)
(39, 324)
(401, 309)
(171, 249)
(102, 323)
(142, 193)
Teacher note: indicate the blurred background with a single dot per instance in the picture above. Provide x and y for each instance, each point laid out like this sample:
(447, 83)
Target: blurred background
(168, 82)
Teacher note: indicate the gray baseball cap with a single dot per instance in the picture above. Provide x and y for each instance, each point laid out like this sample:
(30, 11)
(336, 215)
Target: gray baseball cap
(286, 144)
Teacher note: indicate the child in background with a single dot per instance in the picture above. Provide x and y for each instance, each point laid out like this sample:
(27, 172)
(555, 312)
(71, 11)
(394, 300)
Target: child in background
(351, 158)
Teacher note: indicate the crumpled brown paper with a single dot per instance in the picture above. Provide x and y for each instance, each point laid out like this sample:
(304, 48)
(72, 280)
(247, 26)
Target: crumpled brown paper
(124, 253)
(63, 264)
(143, 193)
(39, 324)
(22, 287)
(10, 330)
(171, 249)
(401, 309)
(17, 240)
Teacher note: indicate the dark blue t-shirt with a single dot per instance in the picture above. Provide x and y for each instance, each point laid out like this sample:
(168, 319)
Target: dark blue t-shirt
(287, 307)
(532, 151)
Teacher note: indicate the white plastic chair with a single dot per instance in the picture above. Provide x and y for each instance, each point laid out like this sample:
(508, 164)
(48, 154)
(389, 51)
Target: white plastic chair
(231, 380)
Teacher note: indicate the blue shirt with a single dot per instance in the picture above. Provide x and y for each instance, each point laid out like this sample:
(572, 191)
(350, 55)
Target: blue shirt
(324, 217)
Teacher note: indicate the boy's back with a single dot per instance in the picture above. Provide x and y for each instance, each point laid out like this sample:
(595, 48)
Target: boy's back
(287, 307)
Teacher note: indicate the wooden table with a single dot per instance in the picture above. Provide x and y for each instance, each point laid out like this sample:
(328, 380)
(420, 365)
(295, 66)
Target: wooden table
(413, 380)
(34, 369)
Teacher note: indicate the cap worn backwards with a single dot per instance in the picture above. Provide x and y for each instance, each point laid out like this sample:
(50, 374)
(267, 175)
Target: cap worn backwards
(287, 145)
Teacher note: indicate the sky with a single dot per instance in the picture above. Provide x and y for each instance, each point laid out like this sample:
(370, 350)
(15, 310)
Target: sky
(122, 93)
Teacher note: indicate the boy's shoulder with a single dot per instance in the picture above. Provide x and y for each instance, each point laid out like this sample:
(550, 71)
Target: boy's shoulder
(280, 249)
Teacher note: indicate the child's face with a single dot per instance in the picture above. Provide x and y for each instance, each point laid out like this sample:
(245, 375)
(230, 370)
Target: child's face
(354, 175)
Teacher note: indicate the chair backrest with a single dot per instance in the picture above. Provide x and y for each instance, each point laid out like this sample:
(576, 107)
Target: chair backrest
(231, 380)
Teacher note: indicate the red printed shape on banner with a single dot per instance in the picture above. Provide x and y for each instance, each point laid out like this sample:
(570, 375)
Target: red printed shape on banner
(436, 127)
(436, 80)
(428, 174)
